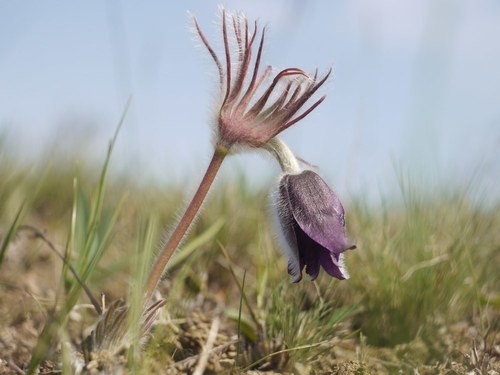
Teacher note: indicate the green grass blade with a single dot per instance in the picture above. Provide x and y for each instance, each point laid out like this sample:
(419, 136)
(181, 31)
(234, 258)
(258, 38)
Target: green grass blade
(187, 250)
(11, 233)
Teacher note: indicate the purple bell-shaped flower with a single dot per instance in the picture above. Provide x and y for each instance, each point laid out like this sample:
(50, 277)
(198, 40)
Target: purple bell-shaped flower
(311, 217)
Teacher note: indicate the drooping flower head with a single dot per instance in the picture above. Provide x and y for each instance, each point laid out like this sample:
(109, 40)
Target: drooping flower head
(250, 114)
(311, 218)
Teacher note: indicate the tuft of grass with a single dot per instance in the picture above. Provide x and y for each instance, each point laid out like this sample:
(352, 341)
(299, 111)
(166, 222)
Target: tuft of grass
(303, 320)
(422, 266)
(90, 229)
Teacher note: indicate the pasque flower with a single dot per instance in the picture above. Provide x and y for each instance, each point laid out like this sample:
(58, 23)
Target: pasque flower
(311, 217)
(250, 114)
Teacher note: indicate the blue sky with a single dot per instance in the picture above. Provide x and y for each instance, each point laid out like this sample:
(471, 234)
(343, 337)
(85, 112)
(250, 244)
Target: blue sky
(416, 86)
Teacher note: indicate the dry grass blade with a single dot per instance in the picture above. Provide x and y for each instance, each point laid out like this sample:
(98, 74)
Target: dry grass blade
(189, 362)
(212, 335)
(302, 347)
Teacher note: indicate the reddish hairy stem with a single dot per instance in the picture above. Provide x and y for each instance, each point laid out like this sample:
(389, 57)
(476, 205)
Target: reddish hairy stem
(185, 222)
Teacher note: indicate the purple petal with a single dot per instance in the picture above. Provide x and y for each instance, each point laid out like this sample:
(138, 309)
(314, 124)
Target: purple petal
(333, 264)
(317, 210)
(312, 264)
(308, 253)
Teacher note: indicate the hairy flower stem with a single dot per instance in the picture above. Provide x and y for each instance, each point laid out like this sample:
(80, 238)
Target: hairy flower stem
(185, 222)
(287, 160)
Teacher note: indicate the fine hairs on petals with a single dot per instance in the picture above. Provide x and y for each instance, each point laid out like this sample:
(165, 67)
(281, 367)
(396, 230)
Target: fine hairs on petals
(287, 241)
(290, 252)
(200, 41)
(341, 265)
(215, 91)
(254, 108)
